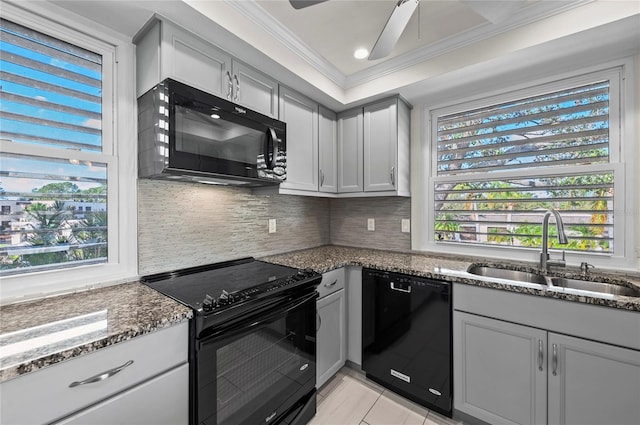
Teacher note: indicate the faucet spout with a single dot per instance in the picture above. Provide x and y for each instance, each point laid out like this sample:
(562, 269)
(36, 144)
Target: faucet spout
(562, 239)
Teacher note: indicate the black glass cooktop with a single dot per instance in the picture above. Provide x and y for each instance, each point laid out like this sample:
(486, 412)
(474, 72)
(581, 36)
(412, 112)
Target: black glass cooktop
(243, 279)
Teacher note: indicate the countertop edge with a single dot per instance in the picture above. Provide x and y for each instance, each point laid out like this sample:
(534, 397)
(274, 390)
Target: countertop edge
(329, 257)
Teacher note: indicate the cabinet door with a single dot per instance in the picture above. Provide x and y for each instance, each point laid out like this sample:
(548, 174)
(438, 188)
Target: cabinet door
(500, 370)
(380, 146)
(195, 62)
(350, 145)
(254, 90)
(301, 116)
(328, 151)
(592, 382)
(331, 337)
(163, 400)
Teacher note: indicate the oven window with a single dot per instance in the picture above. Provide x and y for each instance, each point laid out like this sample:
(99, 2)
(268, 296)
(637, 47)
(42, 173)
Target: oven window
(259, 374)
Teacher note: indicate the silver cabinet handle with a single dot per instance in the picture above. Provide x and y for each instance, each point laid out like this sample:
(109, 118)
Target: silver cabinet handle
(270, 417)
(237, 95)
(102, 376)
(329, 285)
(318, 322)
(321, 178)
(393, 286)
(229, 85)
(540, 354)
(554, 360)
(393, 176)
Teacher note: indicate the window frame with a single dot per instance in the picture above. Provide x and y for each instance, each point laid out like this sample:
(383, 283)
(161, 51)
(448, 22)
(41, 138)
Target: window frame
(119, 152)
(623, 161)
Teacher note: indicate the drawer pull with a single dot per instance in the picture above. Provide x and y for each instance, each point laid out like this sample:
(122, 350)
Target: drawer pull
(102, 376)
(329, 285)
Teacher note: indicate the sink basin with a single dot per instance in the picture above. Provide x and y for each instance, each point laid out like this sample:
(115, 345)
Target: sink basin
(516, 275)
(604, 288)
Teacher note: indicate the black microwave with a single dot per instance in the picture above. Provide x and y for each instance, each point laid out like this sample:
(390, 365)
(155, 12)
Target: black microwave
(186, 134)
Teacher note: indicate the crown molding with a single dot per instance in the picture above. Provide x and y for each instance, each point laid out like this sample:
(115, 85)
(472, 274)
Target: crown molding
(258, 15)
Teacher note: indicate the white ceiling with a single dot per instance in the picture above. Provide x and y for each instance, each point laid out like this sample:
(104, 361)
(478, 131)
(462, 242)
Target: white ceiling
(446, 42)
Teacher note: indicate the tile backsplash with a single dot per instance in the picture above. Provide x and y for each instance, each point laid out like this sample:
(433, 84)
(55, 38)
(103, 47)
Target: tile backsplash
(349, 222)
(183, 225)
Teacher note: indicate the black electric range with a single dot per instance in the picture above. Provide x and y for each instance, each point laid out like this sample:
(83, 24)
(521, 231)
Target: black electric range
(252, 340)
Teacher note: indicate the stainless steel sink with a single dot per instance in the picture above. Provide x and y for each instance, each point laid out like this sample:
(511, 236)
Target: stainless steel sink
(499, 273)
(601, 287)
(551, 282)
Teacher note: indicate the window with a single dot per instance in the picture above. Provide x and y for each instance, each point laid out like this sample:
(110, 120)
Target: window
(500, 163)
(51, 97)
(61, 184)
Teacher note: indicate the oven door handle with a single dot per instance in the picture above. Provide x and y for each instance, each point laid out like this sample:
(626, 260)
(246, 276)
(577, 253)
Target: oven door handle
(234, 329)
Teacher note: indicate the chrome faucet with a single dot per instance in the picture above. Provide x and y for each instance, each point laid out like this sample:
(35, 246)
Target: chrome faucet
(545, 261)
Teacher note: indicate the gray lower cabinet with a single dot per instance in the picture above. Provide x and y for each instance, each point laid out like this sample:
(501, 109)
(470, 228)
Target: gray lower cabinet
(592, 382)
(141, 381)
(507, 373)
(496, 364)
(163, 400)
(331, 339)
(301, 115)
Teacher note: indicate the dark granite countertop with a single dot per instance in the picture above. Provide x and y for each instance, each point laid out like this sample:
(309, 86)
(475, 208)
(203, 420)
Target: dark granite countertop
(43, 332)
(329, 257)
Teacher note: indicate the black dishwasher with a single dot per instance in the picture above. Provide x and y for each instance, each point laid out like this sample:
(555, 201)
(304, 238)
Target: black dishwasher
(406, 336)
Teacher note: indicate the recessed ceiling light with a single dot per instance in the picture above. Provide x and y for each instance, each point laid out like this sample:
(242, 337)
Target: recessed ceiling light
(361, 53)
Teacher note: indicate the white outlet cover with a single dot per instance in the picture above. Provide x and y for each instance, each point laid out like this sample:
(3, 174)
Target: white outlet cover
(272, 225)
(406, 225)
(371, 224)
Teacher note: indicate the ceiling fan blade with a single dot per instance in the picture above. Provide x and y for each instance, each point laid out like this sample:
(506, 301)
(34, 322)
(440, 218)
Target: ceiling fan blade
(494, 11)
(300, 4)
(393, 29)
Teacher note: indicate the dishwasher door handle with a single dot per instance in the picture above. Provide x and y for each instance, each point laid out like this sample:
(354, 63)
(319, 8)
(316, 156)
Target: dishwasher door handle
(393, 286)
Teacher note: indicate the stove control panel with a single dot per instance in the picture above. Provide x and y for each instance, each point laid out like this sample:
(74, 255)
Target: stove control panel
(210, 304)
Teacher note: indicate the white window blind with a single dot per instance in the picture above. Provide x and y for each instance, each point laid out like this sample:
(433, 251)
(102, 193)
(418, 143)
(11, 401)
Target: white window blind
(499, 167)
(54, 206)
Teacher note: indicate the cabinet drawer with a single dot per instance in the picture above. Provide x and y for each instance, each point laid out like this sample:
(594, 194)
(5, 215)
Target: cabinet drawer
(46, 395)
(331, 282)
(164, 400)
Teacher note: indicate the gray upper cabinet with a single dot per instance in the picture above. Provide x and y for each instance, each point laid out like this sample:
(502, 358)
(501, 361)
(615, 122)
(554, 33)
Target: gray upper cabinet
(386, 147)
(301, 115)
(373, 149)
(255, 90)
(327, 151)
(380, 146)
(166, 50)
(350, 146)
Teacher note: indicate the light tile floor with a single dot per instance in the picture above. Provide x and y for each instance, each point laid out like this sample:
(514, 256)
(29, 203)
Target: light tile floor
(351, 399)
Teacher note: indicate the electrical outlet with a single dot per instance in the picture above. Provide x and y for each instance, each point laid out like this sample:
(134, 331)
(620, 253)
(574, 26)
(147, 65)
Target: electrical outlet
(406, 225)
(272, 225)
(371, 224)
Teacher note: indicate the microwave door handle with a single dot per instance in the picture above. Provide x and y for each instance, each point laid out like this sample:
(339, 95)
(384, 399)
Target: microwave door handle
(271, 147)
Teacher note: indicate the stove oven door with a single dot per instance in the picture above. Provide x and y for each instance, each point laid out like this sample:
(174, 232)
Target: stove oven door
(260, 371)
